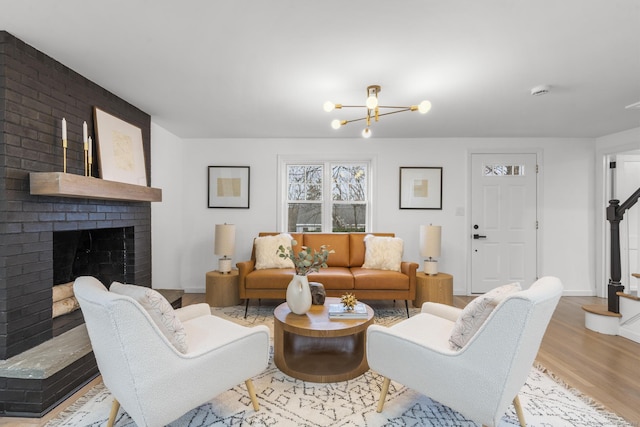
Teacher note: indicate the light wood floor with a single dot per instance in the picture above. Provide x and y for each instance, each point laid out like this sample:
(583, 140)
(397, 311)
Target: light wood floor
(604, 367)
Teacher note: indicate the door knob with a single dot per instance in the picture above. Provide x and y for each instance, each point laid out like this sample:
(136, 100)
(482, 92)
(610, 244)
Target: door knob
(477, 236)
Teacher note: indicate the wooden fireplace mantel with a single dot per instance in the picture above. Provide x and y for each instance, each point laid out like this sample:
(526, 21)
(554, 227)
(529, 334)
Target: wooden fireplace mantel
(62, 184)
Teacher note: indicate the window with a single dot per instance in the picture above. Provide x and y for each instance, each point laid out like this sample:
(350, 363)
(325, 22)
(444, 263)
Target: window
(503, 170)
(327, 196)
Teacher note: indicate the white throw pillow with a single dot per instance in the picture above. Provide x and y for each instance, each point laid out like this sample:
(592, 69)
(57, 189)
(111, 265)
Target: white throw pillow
(476, 312)
(267, 255)
(160, 311)
(382, 252)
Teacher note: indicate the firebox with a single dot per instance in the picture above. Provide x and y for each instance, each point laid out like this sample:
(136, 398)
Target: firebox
(105, 253)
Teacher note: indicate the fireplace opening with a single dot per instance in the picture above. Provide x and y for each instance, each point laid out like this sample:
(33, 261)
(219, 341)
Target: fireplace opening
(105, 253)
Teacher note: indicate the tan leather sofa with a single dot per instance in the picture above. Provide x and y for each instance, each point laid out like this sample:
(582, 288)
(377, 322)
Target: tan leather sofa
(343, 274)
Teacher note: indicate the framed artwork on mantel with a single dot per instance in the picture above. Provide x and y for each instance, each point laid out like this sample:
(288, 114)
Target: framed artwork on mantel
(228, 187)
(120, 151)
(420, 188)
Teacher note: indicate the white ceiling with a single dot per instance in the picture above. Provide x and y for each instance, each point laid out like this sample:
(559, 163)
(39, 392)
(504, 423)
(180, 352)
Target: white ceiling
(263, 69)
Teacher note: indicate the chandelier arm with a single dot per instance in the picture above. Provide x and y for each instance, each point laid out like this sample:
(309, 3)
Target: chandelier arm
(354, 120)
(394, 112)
(383, 114)
(379, 106)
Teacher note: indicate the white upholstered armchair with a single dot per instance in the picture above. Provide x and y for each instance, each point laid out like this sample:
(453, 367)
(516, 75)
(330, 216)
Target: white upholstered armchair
(159, 372)
(481, 377)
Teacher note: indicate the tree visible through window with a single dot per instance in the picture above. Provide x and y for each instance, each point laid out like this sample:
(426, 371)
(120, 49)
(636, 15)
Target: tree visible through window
(308, 209)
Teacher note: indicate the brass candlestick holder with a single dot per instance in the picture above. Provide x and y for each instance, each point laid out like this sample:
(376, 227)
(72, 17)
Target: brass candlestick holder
(90, 157)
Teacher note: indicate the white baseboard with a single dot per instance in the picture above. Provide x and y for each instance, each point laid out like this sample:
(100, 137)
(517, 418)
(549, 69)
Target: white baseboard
(579, 293)
(629, 334)
(194, 290)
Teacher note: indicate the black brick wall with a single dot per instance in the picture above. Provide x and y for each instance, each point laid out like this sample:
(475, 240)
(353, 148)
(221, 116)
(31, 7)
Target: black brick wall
(36, 92)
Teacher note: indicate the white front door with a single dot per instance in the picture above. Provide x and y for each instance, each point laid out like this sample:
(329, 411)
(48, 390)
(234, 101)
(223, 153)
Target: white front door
(503, 220)
(626, 183)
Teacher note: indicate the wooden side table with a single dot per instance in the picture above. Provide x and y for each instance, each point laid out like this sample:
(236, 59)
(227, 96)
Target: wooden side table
(222, 289)
(438, 288)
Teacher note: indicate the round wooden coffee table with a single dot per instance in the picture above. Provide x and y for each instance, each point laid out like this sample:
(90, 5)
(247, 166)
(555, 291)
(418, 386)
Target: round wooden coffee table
(312, 347)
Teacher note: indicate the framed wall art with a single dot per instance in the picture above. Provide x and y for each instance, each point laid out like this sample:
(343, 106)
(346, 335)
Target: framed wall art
(120, 151)
(420, 188)
(228, 187)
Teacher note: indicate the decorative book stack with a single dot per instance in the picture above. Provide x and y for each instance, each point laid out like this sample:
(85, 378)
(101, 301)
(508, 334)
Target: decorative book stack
(339, 311)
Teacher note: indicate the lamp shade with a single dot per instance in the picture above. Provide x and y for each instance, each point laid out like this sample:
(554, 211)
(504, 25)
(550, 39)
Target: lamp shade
(225, 239)
(430, 240)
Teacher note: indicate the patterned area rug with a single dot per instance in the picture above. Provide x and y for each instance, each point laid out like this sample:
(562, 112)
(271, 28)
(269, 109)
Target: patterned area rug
(285, 401)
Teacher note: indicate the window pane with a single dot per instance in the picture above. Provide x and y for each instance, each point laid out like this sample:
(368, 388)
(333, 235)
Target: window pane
(304, 182)
(348, 183)
(305, 217)
(349, 217)
(314, 192)
(296, 192)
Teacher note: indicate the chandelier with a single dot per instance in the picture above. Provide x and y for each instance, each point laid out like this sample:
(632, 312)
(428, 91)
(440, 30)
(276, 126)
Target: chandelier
(373, 110)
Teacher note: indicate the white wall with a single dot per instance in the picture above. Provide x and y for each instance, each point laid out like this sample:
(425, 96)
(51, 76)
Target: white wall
(183, 225)
(167, 217)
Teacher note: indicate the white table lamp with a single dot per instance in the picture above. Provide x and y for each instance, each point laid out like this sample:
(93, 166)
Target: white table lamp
(225, 243)
(430, 242)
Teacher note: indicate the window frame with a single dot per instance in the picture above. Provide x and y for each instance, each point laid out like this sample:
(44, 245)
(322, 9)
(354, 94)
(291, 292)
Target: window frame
(327, 203)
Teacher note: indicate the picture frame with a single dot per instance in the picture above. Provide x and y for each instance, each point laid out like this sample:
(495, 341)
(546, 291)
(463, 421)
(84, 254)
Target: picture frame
(119, 148)
(228, 187)
(421, 188)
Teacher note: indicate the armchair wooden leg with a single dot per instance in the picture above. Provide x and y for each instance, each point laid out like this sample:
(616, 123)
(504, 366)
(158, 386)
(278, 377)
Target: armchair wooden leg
(383, 393)
(252, 394)
(114, 411)
(519, 412)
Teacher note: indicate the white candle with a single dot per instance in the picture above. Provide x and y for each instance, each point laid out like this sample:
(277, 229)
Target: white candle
(90, 149)
(64, 129)
(84, 132)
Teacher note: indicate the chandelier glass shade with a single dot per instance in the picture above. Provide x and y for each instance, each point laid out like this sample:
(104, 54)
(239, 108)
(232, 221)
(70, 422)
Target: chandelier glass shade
(373, 110)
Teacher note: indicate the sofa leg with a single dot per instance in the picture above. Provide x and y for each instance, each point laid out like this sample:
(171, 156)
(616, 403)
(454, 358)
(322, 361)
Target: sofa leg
(246, 308)
(406, 305)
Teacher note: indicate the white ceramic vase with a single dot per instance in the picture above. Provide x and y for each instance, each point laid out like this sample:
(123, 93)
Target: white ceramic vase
(299, 295)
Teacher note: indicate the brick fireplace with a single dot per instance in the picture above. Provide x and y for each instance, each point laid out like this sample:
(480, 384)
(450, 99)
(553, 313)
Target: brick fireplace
(36, 91)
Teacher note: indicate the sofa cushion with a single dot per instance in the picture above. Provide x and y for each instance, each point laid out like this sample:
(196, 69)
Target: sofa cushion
(160, 311)
(383, 253)
(476, 312)
(273, 278)
(365, 278)
(333, 278)
(267, 254)
(357, 248)
(338, 242)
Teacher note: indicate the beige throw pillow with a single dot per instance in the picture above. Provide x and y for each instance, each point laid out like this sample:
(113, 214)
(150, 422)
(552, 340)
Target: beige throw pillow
(160, 311)
(382, 252)
(476, 312)
(266, 248)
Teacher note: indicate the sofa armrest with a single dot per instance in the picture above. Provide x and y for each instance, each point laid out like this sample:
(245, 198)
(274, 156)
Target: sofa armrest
(410, 268)
(244, 268)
